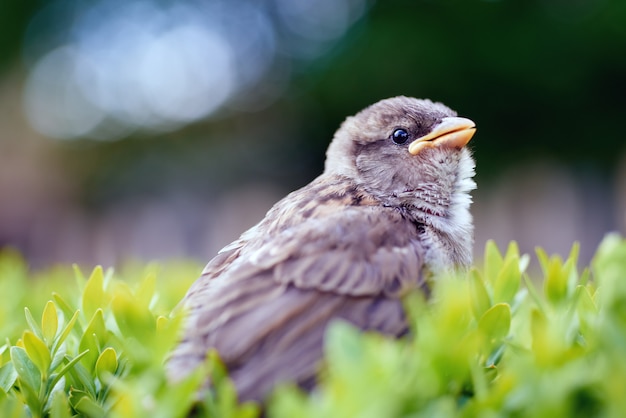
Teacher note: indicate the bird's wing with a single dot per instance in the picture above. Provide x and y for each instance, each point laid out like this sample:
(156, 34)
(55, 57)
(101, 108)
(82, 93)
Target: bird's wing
(355, 251)
(267, 311)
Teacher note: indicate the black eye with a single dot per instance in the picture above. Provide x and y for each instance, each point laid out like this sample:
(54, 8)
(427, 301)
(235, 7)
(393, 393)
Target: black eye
(400, 136)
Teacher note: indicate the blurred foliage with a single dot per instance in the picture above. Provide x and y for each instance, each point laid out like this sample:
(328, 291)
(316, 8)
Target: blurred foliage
(489, 342)
(95, 349)
(540, 78)
(485, 346)
(521, 69)
(14, 17)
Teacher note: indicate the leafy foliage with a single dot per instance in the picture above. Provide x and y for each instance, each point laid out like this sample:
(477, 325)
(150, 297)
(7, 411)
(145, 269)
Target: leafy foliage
(98, 347)
(488, 342)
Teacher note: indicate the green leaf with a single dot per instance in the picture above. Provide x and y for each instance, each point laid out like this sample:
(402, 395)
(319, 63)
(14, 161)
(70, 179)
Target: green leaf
(493, 261)
(66, 331)
(78, 274)
(163, 323)
(68, 367)
(67, 310)
(555, 284)
(541, 343)
(146, 290)
(512, 251)
(216, 367)
(88, 407)
(574, 253)
(495, 356)
(248, 410)
(544, 260)
(226, 399)
(508, 280)
(478, 294)
(60, 407)
(586, 305)
(49, 323)
(534, 293)
(132, 318)
(58, 357)
(81, 378)
(524, 261)
(585, 276)
(93, 339)
(8, 375)
(93, 294)
(106, 363)
(288, 401)
(496, 322)
(343, 347)
(27, 371)
(479, 380)
(37, 351)
(34, 326)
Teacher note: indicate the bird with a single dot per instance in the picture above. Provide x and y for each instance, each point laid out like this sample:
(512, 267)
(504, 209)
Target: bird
(390, 210)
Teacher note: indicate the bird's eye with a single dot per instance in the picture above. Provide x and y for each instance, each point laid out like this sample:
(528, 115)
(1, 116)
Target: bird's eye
(400, 136)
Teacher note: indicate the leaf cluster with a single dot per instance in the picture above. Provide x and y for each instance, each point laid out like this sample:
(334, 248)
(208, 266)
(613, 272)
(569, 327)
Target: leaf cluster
(489, 342)
(98, 346)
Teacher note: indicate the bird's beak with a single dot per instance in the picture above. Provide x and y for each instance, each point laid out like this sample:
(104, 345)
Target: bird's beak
(452, 132)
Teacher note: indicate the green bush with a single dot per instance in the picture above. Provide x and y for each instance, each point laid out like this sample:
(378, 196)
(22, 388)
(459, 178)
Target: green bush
(489, 342)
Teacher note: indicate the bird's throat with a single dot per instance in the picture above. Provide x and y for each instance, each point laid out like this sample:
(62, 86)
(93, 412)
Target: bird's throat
(444, 210)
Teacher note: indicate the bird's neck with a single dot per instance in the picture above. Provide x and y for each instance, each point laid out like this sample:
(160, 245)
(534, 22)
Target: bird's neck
(437, 202)
(443, 215)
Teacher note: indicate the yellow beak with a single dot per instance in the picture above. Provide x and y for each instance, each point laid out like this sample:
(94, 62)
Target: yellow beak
(451, 132)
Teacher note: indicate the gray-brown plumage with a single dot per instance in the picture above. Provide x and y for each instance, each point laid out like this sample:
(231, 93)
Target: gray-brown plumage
(391, 206)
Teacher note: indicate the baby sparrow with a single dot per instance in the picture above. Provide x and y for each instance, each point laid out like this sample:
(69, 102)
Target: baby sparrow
(391, 207)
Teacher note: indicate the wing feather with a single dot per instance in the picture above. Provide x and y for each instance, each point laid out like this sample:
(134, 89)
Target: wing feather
(264, 302)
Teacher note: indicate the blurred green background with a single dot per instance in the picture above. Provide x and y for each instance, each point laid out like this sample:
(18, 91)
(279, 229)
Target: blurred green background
(154, 128)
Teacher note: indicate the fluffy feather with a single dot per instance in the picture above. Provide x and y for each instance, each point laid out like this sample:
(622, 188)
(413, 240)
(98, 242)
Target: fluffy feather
(347, 246)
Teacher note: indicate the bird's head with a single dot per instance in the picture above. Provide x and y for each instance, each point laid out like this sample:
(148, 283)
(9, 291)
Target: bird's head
(411, 154)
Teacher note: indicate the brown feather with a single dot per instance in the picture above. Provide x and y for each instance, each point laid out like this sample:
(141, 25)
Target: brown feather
(259, 306)
(347, 246)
